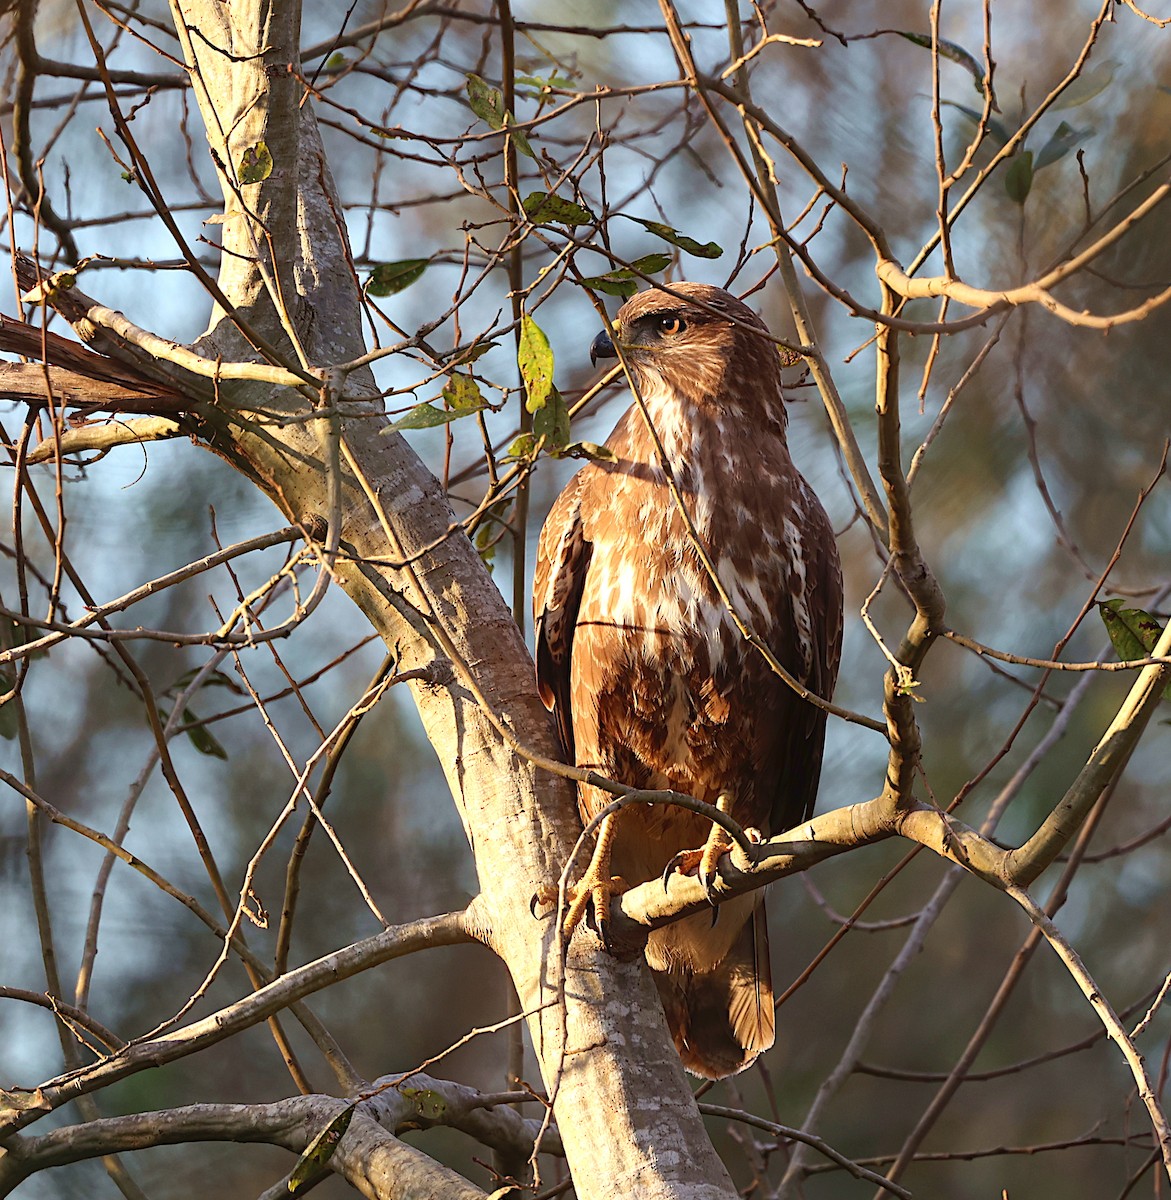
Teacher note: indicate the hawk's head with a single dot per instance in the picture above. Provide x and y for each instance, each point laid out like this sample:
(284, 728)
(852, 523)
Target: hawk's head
(699, 341)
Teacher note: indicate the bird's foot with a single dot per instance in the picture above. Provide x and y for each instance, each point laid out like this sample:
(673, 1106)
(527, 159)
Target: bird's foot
(591, 894)
(704, 861)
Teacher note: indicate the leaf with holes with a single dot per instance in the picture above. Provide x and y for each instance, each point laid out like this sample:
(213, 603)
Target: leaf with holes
(534, 356)
(1133, 632)
(700, 250)
(255, 164)
(541, 208)
(388, 278)
(463, 393)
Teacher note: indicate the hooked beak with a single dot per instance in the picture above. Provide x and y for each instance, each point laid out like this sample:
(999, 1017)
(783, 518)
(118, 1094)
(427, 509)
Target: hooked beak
(602, 347)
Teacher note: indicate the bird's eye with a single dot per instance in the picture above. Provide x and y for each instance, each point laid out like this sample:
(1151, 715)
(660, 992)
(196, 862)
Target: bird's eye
(671, 325)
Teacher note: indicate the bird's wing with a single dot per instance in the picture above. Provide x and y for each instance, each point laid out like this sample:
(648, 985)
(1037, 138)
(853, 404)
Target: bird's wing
(801, 726)
(563, 560)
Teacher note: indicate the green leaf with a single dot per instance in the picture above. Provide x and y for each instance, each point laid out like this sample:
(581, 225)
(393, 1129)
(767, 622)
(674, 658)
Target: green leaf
(613, 283)
(255, 164)
(519, 138)
(954, 53)
(541, 208)
(202, 738)
(624, 280)
(997, 130)
(9, 722)
(212, 679)
(1086, 86)
(1060, 143)
(388, 278)
(469, 354)
(486, 102)
(488, 532)
(706, 250)
(652, 264)
(320, 1150)
(427, 416)
(551, 421)
(463, 393)
(486, 545)
(539, 83)
(1018, 180)
(588, 450)
(534, 356)
(1133, 632)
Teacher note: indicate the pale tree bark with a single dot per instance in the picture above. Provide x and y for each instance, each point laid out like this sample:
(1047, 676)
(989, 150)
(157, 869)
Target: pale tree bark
(626, 1115)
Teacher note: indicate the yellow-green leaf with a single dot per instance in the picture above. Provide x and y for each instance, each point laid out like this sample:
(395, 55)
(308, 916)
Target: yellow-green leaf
(255, 164)
(534, 356)
(462, 392)
(523, 447)
(320, 1150)
(388, 278)
(588, 450)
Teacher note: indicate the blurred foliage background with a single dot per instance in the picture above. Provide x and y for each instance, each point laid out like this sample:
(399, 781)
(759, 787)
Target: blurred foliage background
(1020, 502)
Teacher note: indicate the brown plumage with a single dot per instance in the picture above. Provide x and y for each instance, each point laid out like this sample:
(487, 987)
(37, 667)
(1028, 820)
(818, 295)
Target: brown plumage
(650, 680)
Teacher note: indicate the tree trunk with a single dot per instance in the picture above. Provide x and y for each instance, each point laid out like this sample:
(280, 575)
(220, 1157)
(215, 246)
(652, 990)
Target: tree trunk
(626, 1115)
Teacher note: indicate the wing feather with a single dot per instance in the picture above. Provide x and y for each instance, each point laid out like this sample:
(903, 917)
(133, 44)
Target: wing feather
(563, 561)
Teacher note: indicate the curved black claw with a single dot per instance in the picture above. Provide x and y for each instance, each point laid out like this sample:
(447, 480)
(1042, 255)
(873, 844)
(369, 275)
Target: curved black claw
(672, 863)
(537, 900)
(603, 931)
(708, 882)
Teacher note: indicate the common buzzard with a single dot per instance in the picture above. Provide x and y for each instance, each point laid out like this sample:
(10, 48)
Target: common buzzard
(640, 660)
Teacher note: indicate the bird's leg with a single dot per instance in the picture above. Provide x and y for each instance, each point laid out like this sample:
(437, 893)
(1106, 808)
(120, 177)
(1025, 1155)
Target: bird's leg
(704, 861)
(596, 886)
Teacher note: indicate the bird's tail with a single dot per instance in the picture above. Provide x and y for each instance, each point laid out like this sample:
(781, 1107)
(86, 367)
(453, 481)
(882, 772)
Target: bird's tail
(723, 1018)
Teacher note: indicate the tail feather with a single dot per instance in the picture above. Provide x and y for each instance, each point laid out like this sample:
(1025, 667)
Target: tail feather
(723, 1019)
